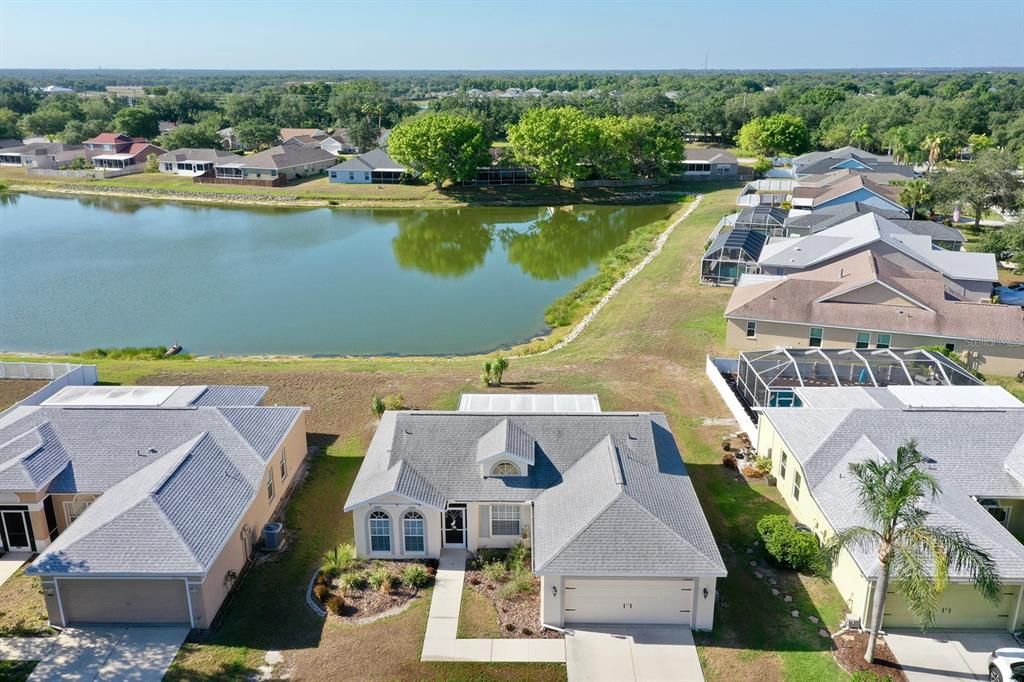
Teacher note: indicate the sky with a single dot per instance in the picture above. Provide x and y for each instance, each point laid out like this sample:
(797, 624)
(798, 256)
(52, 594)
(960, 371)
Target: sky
(510, 34)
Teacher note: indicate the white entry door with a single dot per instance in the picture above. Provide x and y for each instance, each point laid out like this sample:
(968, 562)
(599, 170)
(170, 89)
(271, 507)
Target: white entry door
(615, 600)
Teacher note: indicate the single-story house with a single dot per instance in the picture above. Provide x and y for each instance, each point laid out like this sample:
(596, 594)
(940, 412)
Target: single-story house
(276, 165)
(844, 186)
(339, 142)
(942, 236)
(117, 151)
(710, 163)
(866, 300)
(144, 503)
(191, 162)
(8, 142)
(373, 167)
(603, 500)
(849, 159)
(974, 452)
(288, 133)
(730, 255)
(44, 155)
(970, 275)
(228, 138)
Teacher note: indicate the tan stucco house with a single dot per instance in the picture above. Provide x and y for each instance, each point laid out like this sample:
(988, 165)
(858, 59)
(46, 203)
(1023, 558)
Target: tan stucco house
(144, 503)
(866, 300)
(602, 498)
(975, 448)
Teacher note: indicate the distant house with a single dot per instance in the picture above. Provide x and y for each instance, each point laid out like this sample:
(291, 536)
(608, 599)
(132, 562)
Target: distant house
(50, 155)
(274, 166)
(942, 236)
(851, 159)
(534, 92)
(193, 162)
(288, 133)
(710, 163)
(166, 126)
(373, 167)
(8, 142)
(844, 186)
(228, 138)
(339, 142)
(120, 152)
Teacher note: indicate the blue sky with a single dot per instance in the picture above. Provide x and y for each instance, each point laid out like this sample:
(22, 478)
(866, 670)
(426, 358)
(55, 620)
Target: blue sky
(509, 34)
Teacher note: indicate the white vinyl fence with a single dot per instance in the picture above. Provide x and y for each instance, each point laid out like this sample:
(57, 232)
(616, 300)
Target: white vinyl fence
(714, 368)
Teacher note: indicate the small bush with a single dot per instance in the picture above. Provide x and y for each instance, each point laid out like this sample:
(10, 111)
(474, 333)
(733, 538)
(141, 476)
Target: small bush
(790, 547)
(517, 557)
(729, 461)
(321, 592)
(519, 583)
(353, 581)
(339, 560)
(751, 471)
(335, 604)
(763, 464)
(394, 401)
(495, 571)
(377, 406)
(380, 579)
(415, 576)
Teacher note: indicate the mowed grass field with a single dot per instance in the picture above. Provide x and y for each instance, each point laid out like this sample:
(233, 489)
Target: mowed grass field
(645, 351)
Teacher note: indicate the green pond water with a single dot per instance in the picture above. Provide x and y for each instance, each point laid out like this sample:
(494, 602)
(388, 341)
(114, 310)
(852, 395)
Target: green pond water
(78, 273)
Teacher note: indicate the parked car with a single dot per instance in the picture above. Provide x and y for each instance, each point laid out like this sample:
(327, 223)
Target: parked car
(1012, 294)
(1006, 665)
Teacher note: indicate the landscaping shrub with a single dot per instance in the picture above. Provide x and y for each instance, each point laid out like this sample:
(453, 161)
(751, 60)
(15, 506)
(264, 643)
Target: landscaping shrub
(495, 571)
(762, 464)
(790, 547)
(751, 471)
(395, 401)
(380, 579)
(340, 559)
(321, 592)
(377, 406)
(729, 460)
(519, 583)
(517, 557)
(415, 576)
(493, 370)
(353, 581)
(335, 604)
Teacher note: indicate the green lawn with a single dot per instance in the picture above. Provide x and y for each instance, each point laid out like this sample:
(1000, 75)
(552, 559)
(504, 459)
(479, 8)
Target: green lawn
(645, 351)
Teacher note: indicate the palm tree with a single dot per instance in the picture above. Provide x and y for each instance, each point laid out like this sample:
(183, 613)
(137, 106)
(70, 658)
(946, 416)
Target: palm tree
(861, 137)
(915, 194)
(933, 145)
(918, 556)
(899, 143)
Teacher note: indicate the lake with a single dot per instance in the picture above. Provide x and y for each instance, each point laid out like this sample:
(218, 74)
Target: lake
(78, 273)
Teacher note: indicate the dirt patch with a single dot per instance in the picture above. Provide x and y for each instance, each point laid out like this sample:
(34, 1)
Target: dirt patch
(361, 605)
(13, 390)
(849, 652)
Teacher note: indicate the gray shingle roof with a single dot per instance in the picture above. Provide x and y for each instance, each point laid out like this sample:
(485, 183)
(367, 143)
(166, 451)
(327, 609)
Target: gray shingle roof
(507, 438)
(973, 453)
(375, 159)
(198, 154)
(284, 156)
(32, 459)
(593, 518)
(230, 396)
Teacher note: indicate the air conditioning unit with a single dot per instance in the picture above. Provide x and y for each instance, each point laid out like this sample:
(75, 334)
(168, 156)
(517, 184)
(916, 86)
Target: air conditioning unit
(273, 537)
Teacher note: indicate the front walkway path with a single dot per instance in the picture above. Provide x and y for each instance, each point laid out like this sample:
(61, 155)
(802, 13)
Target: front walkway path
(10, 563)
(441, 643)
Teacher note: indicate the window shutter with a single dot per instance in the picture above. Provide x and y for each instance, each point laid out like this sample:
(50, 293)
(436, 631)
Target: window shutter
(485, 521)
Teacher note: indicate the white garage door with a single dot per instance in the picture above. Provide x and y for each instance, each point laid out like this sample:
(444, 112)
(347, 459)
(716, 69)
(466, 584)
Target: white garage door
(601, 600)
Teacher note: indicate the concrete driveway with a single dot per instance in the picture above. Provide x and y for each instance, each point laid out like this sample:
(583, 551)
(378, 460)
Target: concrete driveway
(641, 653)
(116, 653)
(946, 655)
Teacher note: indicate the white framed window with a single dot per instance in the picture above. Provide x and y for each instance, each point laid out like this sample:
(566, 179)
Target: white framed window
(863, 339)
(782, 465)
(413, 533)
(284, 463)
(505, 519)
(74, 509)
(796, 485)
(752, 329)
(380, 532)
(505, 469)
(270, 485)
(883, 341)
(998, 511)
(815, 337)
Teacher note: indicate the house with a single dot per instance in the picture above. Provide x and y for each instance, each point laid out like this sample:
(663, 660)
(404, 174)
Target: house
(191, 162)
(969, 275)
(816, 192)
(865, 300)
(374, 167)
(274, 166)
(534, 92)
(144, 503)
(730, 255)
(288, 133)
(942, 236)
(973, 449)
(228, 138)
(10, 142)
(339, 142)
(851, 159)
(602, 498)
(120, 152)
(46, 155)
(166, 126)
(710, 164)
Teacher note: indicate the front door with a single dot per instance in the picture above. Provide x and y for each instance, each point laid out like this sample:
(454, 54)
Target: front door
(455, 528)
(15, 530)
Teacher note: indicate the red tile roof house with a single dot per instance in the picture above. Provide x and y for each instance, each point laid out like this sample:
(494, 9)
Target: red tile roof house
(120, 152)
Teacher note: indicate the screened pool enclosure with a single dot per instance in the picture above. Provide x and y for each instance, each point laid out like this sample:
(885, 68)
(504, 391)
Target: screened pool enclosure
(768, 378)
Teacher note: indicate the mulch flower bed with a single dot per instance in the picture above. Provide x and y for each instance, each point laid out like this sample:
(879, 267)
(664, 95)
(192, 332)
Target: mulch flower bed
(849, 652)
(518, 617)
(362, 603)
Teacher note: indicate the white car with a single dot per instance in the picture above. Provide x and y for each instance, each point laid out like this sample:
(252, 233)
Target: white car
(1006, 665)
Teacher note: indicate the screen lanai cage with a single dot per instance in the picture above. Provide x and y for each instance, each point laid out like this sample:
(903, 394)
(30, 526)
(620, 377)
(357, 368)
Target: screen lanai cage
(768, 378)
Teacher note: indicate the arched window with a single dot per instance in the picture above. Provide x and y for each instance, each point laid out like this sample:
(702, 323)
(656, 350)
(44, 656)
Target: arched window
(380, 532)
(412, 530)
(505, 469)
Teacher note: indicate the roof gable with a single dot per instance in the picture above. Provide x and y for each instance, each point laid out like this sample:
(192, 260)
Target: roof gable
(506, 440)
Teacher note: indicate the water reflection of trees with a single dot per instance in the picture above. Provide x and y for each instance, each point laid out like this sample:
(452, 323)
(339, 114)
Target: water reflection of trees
(566, 241)
(8, 198)
(445, 243)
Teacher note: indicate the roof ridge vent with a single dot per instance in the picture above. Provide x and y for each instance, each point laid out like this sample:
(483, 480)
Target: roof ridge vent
(616, 462)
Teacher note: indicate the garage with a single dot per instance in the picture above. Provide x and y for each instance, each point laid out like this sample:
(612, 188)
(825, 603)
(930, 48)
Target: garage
(639, 600)
(124, 601)
(959, 607)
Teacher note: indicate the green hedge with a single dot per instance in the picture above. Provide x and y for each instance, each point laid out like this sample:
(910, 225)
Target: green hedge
(790, 547)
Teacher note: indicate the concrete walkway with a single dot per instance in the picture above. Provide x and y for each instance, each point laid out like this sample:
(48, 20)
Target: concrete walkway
(628, 653)
(10, 563)
(440, 642)
(142, 654)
